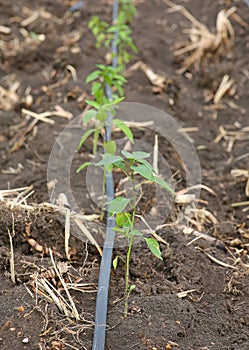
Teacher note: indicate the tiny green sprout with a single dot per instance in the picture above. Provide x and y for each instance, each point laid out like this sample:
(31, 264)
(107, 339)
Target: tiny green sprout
(132, 287)
(37, 37)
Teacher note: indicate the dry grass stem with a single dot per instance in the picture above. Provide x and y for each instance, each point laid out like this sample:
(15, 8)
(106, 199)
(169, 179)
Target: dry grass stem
(63, 202)
(14, 191)
(196, 187)
(32, 18)
(67, 233)
(73, 307)
(155, 79)
(188, 129)
(244, 174)
(83, 287)
(73, 71)
(231, 136)
(223, 88)
(183, 199)
(19, 139)
(239, 20)
(59, 112)
(87, 234)
(16, 199)
(185, 293)
(202, 215)
(203, 42)
(151, 231)
(137, 125)
(190, 231)
(9, 96)
(240, 204)
(42, 286)
(221, 263)
(11, 259)
(5, 30)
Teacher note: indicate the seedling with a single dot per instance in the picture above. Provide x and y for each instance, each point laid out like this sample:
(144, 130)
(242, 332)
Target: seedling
(127, 10)
(103, 76)
(110, 78)
(105, 34)
(131, 164)
(99, 115)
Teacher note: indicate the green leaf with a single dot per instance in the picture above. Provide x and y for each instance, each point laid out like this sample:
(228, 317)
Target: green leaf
(109, 168)
(96, 87)
(93, 76)
(101, 116)
(110, 147)
(123, 127)
(119, 165)
(122, 219)
(112, 29)
(127, 57)
(115, 263)
(154, 247)
(109, 159)
(136, 233)
(115, 102)
(101, 66)
(84, 137)
(119, 89)
(118, 205)
(133, 47)
(89, 115)
(163, 184)
(83, 166)
(119, 230)
(93, 104)
(127, 154)
(146, 163)
(140, 155)
(120, 79)
(144, 171)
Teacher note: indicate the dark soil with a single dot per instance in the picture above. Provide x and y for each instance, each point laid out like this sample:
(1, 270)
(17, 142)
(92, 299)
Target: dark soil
(214, 313)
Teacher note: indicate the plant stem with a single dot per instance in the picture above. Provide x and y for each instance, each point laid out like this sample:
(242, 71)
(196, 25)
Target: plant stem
(127, 274)
(134, 198)
(128, 255)
(103, 194)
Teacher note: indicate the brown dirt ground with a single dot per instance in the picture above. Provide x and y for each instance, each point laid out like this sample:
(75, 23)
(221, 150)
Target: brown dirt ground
(215, 314)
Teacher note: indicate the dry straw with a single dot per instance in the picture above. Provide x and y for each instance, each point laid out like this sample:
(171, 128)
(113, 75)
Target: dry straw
(203, 43)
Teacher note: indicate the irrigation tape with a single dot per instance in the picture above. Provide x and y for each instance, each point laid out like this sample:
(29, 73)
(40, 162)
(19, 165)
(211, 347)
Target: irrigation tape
(105, 267)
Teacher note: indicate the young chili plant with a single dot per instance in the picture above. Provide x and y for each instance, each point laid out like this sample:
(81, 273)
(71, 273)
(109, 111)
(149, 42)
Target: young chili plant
(131, 164)
(120, 31)
(110, 78)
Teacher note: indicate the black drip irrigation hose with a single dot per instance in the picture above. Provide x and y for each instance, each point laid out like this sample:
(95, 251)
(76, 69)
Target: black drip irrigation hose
(106, 261)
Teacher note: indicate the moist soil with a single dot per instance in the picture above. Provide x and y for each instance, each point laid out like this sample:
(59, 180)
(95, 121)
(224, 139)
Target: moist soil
(213, 271)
